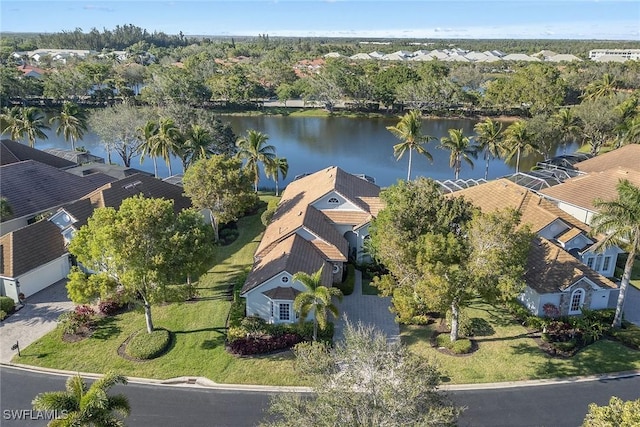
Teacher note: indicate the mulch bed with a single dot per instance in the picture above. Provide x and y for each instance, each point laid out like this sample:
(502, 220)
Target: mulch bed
(82, 333)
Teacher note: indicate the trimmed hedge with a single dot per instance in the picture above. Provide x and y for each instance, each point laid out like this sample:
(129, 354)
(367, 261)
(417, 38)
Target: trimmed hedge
(143, 345)
(252, 346)
(349, 282)
(7, 304)
(460, 346)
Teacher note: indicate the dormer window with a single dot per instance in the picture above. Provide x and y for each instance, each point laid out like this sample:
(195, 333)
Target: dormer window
(333, 201)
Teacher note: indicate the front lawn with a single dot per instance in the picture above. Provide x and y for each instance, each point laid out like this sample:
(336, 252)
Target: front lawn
(198, 331)
(510, 355)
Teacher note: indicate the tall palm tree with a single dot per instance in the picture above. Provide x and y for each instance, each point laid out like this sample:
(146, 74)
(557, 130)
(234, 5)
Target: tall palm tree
(315, 299)
(278, 167)
(619, 221)
(490, 140)
(254, 149)
(605, 87)
(147, 134)
(518, 140)
(168, 140)
(86, 406)
(409, 131)
(21, 122)
(197, 145)
(72, 123)
(461, 148)
(567, 125)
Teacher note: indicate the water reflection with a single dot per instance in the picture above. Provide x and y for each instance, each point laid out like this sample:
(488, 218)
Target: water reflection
(356, 145)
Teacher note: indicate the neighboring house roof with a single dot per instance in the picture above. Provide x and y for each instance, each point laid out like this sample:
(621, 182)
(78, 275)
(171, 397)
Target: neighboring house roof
(551, 269)
(293, 254)
(114, 171)
(14, 152)
(582, 190)
(562, 58)
(30, 247)
(31, 187)
(520, 57)
(75, 156)
(112, 194)
(535, 210)
(626, 157)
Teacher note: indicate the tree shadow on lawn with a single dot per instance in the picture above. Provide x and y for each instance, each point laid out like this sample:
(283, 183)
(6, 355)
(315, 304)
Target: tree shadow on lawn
(106, 329)
(497, 315)
(508, 338)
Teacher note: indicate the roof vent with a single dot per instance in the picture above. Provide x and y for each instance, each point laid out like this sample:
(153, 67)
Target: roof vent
(132, 185)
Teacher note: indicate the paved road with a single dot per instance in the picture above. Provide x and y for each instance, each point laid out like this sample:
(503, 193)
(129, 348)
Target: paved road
(556, 405)
(34, 320)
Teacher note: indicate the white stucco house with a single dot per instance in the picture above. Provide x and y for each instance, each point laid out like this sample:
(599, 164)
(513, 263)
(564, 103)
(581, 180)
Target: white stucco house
(323, 221)
(564, 267)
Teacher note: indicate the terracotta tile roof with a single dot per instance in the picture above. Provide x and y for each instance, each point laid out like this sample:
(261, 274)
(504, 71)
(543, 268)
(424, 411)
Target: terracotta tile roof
(292, 255)
(288, 293)
(30, 247)
(626, 157)
(13, 152)
(581, 191)
(551, 269)
(339, 216)
(32, 187)
(502, 194)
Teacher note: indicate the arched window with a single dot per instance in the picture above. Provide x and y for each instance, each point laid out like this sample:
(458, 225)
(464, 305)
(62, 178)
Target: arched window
(577, 299)
(333, 200)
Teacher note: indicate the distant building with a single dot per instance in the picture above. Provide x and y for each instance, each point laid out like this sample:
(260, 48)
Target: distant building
(614, 54)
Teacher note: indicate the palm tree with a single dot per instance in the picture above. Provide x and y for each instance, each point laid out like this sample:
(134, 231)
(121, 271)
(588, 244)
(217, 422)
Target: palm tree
(278, 167)
(147, 134)
(567, 125)
(24, 121)
(409, 131)
(316, 299)
(86, 406)
(490, 139)
(72, 123)
(197, 145)
(254, 149)
(619, 221)
(518, 140)
(168, 141)
(605, 87)
(461, 148)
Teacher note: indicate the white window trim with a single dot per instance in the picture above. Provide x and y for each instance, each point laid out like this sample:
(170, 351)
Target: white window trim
(580, 303)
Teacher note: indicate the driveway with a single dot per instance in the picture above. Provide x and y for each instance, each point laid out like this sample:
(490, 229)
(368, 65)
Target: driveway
(367, 309)
(632, 305)
(35, 319)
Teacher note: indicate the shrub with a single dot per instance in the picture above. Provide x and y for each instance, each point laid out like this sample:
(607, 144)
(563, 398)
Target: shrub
(7, 304)
(349, 283)
(3, 314)
(228, 235)
(551, 310)
(73, 321)
(143, 345)
(252, 346)
(266, 216)
(461, 346)
(421, 319)
(535, 323)
(237, 312)
(235, 333)
(254, 326)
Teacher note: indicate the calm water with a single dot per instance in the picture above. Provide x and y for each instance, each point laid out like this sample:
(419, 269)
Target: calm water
(355, 145)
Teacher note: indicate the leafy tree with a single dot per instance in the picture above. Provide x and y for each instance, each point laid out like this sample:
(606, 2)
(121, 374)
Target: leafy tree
(222, 186)
(461, 148)
(135, 246)
(118, 129)
(24, 122)
(364, 381)
(86, 406)
(489, 138)
(599, 120)
(616, 414)
(72, 123)
(619, 221)
(254, 149)
(409, 131)
(316, 300)
(275, 169)
(5, 209)
(518, 140)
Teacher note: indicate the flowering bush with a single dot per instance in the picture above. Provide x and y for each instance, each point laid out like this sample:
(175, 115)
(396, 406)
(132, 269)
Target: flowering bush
(251, 346)
(80, 318)
(550, 310)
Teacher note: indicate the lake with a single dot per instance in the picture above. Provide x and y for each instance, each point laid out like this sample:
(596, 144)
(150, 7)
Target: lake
(355, 145)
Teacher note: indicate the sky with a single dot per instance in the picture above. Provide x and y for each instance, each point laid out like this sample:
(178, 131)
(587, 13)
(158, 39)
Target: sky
(506, 19)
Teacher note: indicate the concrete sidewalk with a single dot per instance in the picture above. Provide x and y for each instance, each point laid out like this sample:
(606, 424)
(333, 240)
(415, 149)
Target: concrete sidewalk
(35, 319)
(367, 309)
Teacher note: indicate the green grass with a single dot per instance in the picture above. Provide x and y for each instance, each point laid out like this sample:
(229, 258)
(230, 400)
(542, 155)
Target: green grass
(510, 355)
(197, 327)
